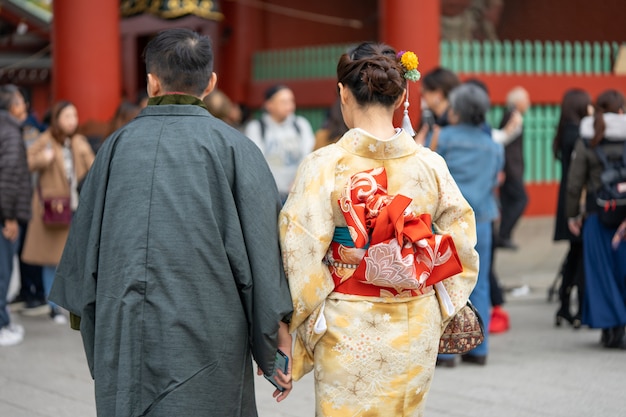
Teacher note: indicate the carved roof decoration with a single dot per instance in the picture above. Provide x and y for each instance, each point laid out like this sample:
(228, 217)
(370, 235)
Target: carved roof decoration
(172, 9)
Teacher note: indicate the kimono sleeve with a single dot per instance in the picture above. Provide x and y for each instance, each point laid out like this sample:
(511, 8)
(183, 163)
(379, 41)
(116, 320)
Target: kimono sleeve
(75, 281)
(306, 230)
(264, 290)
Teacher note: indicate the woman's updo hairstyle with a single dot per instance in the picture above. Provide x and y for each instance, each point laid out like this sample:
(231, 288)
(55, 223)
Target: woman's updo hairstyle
(372, 73)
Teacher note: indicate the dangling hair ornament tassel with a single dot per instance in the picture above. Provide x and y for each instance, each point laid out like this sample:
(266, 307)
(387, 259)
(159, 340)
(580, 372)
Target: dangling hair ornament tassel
(409, 62)
(406, 120)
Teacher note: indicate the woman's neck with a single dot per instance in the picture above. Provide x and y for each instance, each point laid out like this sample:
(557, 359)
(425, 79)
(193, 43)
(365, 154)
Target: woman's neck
(376, 121)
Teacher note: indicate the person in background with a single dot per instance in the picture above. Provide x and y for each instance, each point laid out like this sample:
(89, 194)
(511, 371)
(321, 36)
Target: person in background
(367, 315)
(604, 303)
(436, 86)
(284, 138)
(31, 299)
(142, 99)
(15, 194)
(576, 104)
(474, 161)
(222, 107)
(333, 128)
(513, 197)
(125, 112)
(172, 269)
(499, 321)
(60, 158)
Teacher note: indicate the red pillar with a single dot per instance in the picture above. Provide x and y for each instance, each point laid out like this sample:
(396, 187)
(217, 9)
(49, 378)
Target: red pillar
(412, 25)
(243, 23)
(86, 56)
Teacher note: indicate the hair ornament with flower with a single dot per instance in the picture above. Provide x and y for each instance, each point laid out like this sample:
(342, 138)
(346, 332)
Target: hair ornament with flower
(409, 62)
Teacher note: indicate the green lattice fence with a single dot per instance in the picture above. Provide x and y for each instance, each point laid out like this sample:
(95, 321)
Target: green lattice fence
(495, 57)
(539, 128)
(526, 57)
(298, 63)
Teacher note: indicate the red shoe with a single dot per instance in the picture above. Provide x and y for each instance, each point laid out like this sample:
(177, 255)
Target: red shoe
(499, 320)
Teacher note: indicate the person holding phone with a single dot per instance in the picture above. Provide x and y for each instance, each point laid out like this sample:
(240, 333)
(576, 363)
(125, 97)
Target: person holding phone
(172, 268)
(360, 254)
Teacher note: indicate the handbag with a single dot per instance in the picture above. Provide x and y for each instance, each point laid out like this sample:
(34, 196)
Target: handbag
(464, 332)
(57, 211)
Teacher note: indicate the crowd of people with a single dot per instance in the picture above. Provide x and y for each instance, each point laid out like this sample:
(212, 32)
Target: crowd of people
(342, 238)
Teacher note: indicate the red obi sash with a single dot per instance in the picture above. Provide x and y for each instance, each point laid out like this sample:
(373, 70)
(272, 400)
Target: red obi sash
(404, 257)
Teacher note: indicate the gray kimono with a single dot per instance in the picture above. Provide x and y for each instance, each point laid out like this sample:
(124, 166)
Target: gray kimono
(173, 265)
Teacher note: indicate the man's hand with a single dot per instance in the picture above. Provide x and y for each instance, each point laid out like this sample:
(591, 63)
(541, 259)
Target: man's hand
(284, 344)
(284, 380)
(514, 125)
(11, 230)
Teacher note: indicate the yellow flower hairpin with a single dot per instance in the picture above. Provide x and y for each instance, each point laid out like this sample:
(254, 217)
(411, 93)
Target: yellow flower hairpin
(409, 62)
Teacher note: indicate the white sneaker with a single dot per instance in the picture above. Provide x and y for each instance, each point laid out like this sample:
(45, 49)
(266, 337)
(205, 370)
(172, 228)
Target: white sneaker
(17, 328)
(9, 337)
(59, 318)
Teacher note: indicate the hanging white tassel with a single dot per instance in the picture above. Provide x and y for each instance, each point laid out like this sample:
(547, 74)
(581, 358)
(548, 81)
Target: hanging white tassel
(406, 120)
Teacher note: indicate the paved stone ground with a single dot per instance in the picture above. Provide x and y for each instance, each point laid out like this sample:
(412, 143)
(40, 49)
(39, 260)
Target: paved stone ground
(534, 370)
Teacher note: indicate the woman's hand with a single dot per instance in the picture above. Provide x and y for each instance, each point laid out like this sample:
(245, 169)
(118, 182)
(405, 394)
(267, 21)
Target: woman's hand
(574, 224)
(620, 235)
(48, 155)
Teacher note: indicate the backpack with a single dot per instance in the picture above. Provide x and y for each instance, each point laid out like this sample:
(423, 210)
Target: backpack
(263, 127)
(611, 196)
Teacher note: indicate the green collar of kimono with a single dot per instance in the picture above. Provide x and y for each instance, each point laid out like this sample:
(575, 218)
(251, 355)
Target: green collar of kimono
(176, 98)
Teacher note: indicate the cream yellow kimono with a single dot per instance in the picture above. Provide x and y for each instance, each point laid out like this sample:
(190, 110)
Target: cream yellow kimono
(372, 356)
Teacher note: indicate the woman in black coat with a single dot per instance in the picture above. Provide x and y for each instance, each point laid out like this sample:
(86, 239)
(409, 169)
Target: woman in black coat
(576, 104)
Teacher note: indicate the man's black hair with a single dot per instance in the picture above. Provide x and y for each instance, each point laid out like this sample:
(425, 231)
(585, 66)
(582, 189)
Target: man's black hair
(182, 60)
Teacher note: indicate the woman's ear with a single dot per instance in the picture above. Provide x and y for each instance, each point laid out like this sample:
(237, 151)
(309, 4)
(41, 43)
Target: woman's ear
(343, 93)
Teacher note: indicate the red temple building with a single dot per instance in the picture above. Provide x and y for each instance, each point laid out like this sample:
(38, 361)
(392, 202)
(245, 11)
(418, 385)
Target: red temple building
(89, 52)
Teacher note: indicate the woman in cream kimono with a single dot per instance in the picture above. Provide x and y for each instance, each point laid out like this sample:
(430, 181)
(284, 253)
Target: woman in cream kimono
(378, 246)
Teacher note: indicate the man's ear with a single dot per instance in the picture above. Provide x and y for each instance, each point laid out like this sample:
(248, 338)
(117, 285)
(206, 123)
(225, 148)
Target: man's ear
(154, 87)
(210, 86)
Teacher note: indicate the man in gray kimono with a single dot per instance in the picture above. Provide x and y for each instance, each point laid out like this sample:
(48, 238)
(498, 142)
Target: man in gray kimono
(172, 264)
